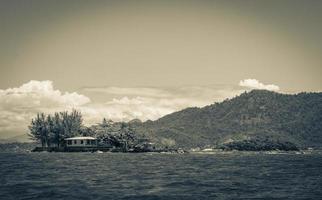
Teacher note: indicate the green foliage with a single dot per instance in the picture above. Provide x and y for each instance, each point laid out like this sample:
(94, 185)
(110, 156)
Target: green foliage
(259, 144)
(296, 118)
(39, 130)
(53, 129)
(115, 134)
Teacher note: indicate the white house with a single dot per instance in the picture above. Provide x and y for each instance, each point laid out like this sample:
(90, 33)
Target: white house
(81, 142)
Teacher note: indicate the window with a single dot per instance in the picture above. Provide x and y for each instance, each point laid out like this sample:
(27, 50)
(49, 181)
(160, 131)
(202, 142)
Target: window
(87, 142)
(75, 142)
(82, 141)
(69, 142)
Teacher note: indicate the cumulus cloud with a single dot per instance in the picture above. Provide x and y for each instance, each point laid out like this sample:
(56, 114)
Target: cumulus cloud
(18, 105)
(255, 84)
(124, 104)
(39, 94)
(125, 109)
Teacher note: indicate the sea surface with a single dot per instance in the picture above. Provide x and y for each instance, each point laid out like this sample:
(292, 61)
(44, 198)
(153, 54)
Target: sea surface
(160, 176)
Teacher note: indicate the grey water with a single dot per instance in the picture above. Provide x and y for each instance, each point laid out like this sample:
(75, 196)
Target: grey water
(160, 176)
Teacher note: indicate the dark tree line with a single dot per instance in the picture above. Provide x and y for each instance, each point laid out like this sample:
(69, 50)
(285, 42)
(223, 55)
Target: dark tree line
(117, 134)
(51, 130)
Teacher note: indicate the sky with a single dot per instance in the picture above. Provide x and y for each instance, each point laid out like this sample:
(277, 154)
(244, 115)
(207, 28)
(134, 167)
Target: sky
(145, 59)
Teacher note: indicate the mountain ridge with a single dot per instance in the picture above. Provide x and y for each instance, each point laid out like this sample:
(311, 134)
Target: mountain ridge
(295, 118)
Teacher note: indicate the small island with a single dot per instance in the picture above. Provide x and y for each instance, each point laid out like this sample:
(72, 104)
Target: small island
(65, 132)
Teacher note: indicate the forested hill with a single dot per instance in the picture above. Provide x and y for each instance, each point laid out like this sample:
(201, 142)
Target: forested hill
(257, 114)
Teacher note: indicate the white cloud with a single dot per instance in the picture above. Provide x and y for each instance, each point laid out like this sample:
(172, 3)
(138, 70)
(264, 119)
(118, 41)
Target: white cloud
(117, 110)
(124, 104)
(39, 94)
(255, 84)
(18, 105)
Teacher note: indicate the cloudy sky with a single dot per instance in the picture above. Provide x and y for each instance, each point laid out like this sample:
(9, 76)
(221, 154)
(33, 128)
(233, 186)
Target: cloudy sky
(144, 59)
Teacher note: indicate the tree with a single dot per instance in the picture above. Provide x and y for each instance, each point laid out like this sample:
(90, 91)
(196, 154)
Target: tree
(127, 136)
(87, 131)
(39, 129)
(34, 128)
(53, 129)
(57, 129)
(71, 123)
(106, 123)
(50, 133)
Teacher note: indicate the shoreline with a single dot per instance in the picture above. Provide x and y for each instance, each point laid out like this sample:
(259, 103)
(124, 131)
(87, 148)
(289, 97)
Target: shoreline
(167, 151)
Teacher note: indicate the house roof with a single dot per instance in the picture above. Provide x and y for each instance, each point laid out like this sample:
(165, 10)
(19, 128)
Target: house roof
(81, 138)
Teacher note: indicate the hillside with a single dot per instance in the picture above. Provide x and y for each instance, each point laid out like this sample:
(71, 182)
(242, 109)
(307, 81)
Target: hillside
(259, 114)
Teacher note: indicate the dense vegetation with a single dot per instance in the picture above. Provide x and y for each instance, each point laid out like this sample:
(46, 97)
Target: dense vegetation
(256, 120)
(258, 115)
(52, 130)
(117, 134)
(256, 144)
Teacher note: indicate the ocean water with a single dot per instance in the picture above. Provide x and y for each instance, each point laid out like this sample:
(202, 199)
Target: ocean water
(160, 176)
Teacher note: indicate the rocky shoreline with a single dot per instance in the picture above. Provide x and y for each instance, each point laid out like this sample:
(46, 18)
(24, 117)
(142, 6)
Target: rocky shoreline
(236, 146)
(103, 149)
